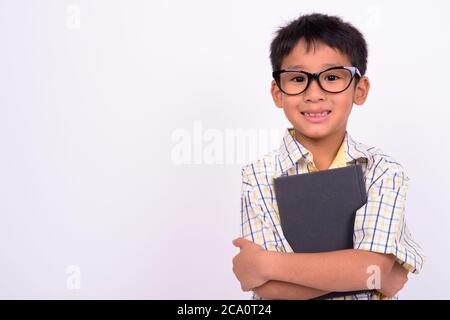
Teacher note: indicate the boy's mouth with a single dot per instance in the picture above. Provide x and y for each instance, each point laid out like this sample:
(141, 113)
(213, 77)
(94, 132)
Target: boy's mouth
(316, 116)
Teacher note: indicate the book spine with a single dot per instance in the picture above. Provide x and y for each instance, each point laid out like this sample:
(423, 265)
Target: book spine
(362, 187)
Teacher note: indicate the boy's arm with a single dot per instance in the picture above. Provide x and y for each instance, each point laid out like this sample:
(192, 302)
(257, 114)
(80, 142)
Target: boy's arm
(344, 270)
(274, 289)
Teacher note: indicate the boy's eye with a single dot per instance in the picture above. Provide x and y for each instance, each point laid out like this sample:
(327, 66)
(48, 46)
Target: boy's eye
(332, 77)
(298, 79)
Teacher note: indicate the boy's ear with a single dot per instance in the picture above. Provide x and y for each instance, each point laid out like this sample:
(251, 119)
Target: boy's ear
(361, 91)
(276, 94)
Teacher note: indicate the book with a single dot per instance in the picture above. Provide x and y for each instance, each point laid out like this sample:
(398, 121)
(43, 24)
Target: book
(317, 210)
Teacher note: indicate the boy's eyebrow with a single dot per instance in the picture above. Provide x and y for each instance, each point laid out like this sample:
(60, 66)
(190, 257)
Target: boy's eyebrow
(326, 65)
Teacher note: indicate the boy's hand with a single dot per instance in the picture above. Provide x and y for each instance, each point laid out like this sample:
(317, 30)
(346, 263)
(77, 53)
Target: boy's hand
(247, 264)
(394, 281)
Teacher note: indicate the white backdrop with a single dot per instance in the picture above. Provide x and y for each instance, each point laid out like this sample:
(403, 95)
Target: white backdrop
(124, 125)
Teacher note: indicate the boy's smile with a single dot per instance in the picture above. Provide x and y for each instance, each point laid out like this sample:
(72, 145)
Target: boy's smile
(316, 114)
(316, 117)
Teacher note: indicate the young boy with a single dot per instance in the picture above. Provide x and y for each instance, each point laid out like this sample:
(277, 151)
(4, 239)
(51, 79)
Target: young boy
(319, 63)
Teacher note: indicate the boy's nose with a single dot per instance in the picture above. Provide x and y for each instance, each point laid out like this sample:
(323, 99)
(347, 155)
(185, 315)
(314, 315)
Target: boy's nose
(314, 92)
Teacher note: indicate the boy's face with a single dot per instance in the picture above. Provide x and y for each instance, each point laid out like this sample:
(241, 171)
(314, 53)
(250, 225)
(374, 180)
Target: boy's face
(314, 99)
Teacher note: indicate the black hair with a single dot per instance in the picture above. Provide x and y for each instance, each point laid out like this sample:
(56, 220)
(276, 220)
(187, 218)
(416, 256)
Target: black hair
(320, 28)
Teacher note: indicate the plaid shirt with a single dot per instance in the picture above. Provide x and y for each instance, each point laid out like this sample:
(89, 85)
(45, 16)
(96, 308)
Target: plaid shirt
(380, 225)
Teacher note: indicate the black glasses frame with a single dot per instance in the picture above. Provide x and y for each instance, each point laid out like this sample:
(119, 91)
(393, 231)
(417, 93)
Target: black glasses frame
(311, 76)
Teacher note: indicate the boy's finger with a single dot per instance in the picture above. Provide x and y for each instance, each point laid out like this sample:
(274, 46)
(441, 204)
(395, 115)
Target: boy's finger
(239, 242)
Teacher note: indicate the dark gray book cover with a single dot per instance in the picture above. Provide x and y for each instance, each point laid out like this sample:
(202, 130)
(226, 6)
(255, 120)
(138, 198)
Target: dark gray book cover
(317, 209)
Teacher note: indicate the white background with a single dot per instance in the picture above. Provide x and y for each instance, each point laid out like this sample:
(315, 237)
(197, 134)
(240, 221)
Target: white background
(92, 92)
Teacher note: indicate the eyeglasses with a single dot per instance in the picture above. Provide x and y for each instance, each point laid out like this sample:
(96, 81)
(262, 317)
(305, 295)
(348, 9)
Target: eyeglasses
(332, 80)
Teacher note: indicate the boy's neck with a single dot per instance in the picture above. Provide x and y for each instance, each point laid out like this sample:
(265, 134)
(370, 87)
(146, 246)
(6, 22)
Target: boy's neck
(323, 150)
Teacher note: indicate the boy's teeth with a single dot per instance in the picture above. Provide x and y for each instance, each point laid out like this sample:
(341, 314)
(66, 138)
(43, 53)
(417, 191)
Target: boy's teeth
(317, 114)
